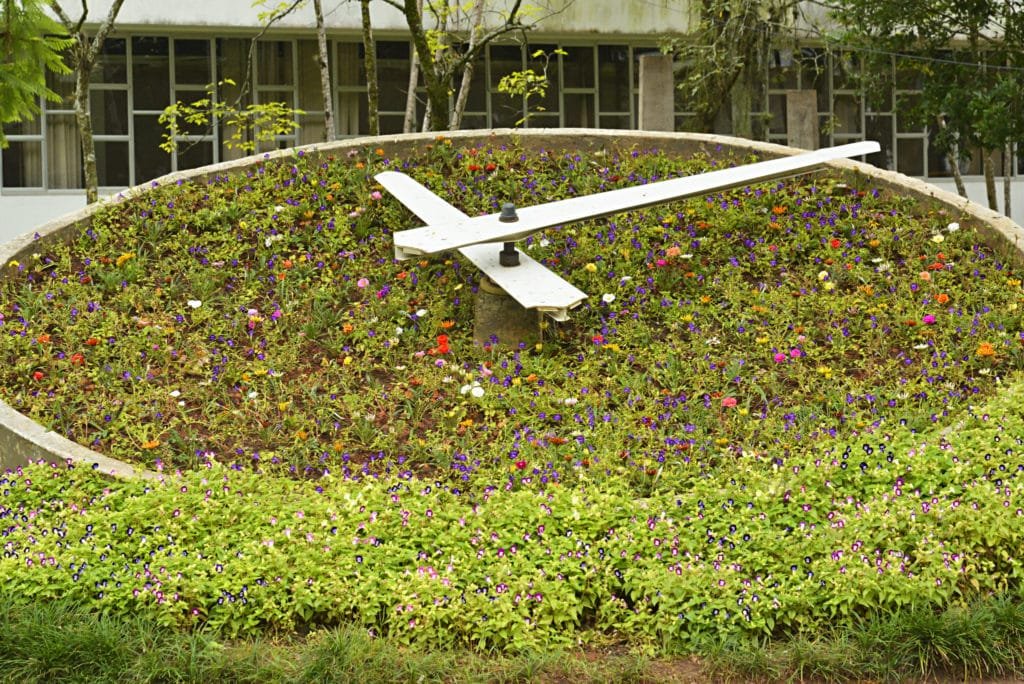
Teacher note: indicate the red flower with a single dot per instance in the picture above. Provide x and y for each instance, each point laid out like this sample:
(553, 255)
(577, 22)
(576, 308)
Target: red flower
(474, 167)
(491, 166)
(38, 375)
(92, 341)
(442, 344)
(78, 359)
(836, 243)
(520, 465)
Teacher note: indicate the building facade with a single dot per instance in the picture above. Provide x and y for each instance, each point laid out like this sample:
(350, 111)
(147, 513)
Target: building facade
(160, 53)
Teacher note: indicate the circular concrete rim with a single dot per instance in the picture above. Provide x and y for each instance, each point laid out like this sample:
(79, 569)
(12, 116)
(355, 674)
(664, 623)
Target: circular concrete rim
(22, 440)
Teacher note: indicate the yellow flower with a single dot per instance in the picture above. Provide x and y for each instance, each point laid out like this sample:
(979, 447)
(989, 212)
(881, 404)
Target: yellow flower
(591, 267)
(124, 257)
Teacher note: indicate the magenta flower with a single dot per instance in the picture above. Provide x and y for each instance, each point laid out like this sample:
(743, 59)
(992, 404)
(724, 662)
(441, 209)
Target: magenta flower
(780, 357)
(928, 319)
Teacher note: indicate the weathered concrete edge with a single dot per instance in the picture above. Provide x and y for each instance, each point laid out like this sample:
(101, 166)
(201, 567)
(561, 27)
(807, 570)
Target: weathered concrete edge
(22, 440)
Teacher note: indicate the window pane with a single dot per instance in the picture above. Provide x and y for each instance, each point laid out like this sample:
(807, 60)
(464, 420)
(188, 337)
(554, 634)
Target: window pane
(350, 64)
(193, 155)
(393, 75)
(311, 129)
(505, 59)
(150, 161)
(274, 63)
(23, 164)
(310, 92)
(880, 128)
(847, 114)
(109, 112)
(390, 124)
(910, 156)
(542, 121)
(192, 62)
(112, 163)
(578, 67)
(63, 152)
(63, 85)
(777, 109)
(351, 115)
(112, 66)
(506, 110)
(232, 58)
(27, 127)
(615, 121)
(614, 86)
(579, 110)
(286, 97)
(150, 73)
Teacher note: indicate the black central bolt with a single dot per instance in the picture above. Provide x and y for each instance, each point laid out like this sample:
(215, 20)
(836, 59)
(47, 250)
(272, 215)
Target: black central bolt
(508, 256)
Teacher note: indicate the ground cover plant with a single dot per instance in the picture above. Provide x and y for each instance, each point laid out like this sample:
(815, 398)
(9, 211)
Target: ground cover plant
(863, 533)
(786, 408)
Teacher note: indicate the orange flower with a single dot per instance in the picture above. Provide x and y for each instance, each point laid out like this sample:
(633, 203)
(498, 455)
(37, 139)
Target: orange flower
(401, 275)
(151, 444)
(346, 327)
(92, 341)
(447, 324)
(779, 210)
(942, 298)
(78, 359)
(43, 339)
(986, 349)
(380, 151)
(287, 263)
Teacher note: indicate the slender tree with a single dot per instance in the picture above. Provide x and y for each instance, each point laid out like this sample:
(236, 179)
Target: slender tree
(325, 71)
(85, 53)
(370, 65)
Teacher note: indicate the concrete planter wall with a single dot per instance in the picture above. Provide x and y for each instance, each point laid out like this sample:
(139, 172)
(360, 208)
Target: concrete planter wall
(23, 440)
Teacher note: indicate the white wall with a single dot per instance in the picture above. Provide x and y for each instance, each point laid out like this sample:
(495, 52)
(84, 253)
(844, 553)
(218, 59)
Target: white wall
(23, 213)
(567, 16)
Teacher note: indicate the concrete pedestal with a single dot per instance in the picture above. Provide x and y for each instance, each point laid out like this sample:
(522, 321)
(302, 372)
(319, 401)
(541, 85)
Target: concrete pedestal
(496, 314)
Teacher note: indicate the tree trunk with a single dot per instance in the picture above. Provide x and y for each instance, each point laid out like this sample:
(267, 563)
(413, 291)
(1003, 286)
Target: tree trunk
(1007, 169)
(467, 71)
(988, 166)
(953, 157)
(370, 65)
(325, 72)
(83, 118)
(409, 124)
(437, 89)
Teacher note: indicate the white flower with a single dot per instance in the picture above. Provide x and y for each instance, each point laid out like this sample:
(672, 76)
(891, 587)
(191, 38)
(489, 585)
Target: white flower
(477, 391)
(253, 394)
(714, 341)
(194, 303)
(399, 330)
(175, 393)
(544, 242)
(625, 279)
(985, 371)
(953, 227)
(571, 401)
(465, 389)
(685, 256)
(420, 313)
(608, 298)
(920, 346)
(447, 379)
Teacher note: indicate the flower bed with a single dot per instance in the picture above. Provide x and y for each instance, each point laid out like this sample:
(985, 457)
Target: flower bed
(258, 319)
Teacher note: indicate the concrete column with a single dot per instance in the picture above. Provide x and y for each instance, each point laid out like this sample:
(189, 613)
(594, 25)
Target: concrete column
(657, 94)
(496, 314)
(802, 119)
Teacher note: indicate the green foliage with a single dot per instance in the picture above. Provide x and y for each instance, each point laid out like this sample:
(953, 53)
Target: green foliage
(246, 126)
(30, 46)
(528, 83)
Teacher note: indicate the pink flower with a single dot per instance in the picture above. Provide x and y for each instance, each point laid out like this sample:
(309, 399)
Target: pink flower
(375, 195)
(728, 402)
(795, 353)
(780, 357)
(362, 282)
(928, 319)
